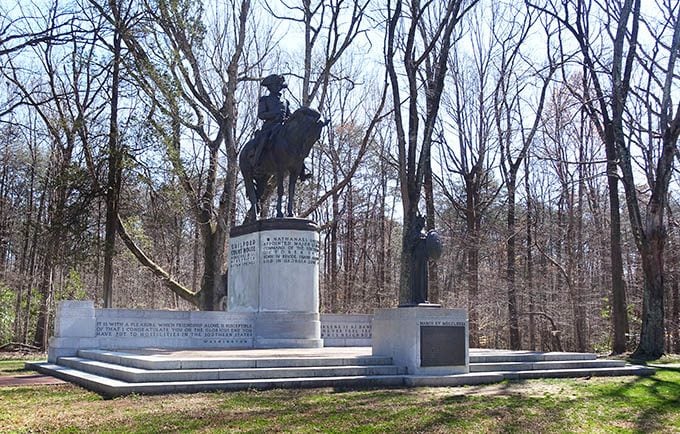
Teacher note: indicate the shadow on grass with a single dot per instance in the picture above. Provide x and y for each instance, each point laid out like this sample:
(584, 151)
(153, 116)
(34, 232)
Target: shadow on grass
(505, 410)
(19, 370)
(656, 397)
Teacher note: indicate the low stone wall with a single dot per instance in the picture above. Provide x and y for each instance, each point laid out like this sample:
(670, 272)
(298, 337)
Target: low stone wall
(131, 328)
(79, 325)
(351, 330)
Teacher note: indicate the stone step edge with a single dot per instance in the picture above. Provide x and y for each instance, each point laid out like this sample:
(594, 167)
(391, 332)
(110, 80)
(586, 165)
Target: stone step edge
(111, 387)
(584, 372)
(530, 357)
(545, 365)
(153, 363)
(474, 378)
(128, 373)
(139, 375)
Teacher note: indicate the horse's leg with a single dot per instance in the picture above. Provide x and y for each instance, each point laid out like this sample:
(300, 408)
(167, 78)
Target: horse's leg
(247, 172)
(265, 195)
(252, 197)
(279, 191)
(292, 178)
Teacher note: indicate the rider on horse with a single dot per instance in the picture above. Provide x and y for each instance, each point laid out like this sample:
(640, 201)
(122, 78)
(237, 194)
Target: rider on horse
(273, 111)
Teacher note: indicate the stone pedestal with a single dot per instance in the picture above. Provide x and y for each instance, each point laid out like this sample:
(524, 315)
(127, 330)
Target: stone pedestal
(428, 341)
(274, 273)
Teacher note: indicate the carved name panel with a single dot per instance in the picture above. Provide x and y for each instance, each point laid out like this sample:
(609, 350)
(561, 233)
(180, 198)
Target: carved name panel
(243, 253)
(442, 345)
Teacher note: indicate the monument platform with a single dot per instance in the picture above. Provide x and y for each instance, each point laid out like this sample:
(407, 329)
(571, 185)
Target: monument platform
(158, 371)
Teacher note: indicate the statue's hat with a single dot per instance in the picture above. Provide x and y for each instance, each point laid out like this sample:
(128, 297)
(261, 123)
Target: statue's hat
(274, 79)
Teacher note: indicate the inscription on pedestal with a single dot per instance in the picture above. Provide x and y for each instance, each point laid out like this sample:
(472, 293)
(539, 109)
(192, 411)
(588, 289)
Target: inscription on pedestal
(442, 345)
(290, 250)
(345, 331)
(242, 253)
(209, 333)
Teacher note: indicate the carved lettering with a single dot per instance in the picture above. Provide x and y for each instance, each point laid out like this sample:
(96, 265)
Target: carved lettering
(290, 250)
(237, 332)
(345, 331)
(243, 253)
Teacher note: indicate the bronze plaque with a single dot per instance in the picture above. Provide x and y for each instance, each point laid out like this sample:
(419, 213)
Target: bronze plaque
(442, 345)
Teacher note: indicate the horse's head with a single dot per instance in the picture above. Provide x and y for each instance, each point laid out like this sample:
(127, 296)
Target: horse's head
(304, 115)
(304, 127)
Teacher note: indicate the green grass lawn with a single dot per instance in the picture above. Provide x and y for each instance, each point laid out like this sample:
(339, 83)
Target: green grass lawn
(615, 404)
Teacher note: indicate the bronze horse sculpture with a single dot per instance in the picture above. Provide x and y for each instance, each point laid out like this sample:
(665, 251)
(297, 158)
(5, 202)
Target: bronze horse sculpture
(290, 144)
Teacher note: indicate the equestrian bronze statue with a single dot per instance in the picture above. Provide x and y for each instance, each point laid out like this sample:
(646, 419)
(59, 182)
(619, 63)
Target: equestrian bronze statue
(278, 149)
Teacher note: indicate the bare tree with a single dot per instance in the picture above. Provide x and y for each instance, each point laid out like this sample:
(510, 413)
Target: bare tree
(332, 25)
(516, 133)
(606, 98)
(331, 30)
(421, 36)
(471, 157)
(65, 100)
(192, 84)
(23, 26)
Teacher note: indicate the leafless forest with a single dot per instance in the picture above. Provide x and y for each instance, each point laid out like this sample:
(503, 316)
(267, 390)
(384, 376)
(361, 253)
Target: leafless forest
(539, 138)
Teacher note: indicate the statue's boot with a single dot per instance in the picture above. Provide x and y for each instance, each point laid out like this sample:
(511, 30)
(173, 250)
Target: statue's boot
(305, 174)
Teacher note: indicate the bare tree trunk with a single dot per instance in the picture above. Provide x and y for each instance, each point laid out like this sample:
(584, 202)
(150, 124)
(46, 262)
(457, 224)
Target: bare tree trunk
(472, 273)
(619, 311)
(433, 274)
(675, 317)
(382, 259)
(53, 245)
(4, 221)
(577, 252)
(513, 317)
(32, 264)
(333, 232)
(25, 264)
(115, 163)
(349, 272)
(194, 257)
(529, 258)
(652, 332)
(46, 289)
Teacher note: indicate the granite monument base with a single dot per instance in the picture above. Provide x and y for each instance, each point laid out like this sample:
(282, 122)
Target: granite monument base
(287, 330)
(79, 326)
(428, 341)
(274, 275)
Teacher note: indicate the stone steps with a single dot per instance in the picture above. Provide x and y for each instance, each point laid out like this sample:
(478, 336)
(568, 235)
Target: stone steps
(114, 373)
(137, 375)
(159, 362)
(499, 356)
(110, 387)
(474, 378)
(545, 365)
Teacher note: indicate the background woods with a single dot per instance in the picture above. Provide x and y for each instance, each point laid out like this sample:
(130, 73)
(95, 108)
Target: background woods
(539, 139)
